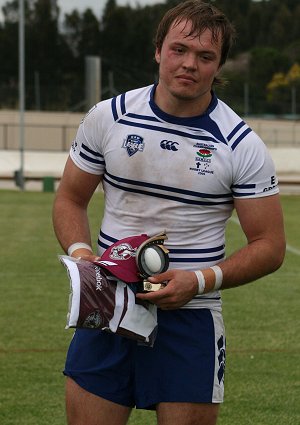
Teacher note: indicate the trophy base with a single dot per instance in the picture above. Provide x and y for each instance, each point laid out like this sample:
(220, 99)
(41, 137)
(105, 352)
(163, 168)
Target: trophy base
(147, 286)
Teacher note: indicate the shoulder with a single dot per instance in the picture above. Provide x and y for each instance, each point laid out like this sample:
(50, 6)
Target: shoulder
(130, 102)
(235, 129)
(112, 109)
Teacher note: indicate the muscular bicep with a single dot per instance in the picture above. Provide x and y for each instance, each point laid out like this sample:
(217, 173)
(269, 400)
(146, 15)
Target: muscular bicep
(70, 219)
(262, 223)
(262, 218)
(76, 185)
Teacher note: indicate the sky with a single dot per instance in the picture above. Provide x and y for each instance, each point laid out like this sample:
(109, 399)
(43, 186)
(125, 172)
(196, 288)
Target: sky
(67, 6)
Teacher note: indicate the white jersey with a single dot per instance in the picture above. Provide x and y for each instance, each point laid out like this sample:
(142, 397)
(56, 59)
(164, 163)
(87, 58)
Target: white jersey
(179, 175)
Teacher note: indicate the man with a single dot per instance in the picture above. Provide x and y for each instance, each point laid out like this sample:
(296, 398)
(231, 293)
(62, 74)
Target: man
(172, 157)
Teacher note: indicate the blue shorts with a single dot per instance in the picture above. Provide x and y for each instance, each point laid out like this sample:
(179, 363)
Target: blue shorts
(186, 363)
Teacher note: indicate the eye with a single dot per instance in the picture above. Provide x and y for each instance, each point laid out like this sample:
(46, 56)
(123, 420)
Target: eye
(207, 57)
(178, 49)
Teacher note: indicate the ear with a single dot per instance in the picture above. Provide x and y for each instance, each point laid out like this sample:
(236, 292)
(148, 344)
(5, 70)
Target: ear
(219, 71)
(157, 55)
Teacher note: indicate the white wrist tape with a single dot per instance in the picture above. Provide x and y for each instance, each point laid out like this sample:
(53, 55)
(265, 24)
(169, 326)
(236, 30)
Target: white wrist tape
(219, 277)
(201, 281)
(78, 245)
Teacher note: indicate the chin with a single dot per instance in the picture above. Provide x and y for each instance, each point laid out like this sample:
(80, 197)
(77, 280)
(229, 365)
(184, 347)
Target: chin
(184, 95)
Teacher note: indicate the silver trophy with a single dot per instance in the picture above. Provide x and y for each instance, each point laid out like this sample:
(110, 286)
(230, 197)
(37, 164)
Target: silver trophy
(152, 258)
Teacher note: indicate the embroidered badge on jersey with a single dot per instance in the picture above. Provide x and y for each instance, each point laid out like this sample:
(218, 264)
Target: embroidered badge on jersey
(133, 144)
(203, 159)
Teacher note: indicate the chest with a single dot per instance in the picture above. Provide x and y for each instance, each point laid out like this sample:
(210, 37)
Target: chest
(184, 160)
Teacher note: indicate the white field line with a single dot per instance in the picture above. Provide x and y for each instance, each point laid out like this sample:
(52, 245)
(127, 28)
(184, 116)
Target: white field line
(289, 248)
(292, 249)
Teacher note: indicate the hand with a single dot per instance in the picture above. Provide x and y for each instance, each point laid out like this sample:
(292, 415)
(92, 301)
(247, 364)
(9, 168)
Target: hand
(90, 257)
(181, 288)
(85, 254)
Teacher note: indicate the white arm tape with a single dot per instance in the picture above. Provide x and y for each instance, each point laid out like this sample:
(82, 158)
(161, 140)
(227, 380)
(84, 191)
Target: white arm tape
(78, 245)
(219, 277)
(201, 281)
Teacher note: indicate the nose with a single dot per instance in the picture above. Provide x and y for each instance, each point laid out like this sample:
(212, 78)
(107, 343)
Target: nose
(190, 61)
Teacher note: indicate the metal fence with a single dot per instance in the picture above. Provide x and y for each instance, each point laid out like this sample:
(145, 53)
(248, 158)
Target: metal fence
(41, 137)
(58, 137)
(277, 132)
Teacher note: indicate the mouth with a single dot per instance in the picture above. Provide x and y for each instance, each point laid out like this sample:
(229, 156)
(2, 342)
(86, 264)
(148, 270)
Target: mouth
(186, 78)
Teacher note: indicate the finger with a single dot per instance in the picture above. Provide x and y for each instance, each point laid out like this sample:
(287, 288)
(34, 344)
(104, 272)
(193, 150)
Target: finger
(153, 296)
(162, 277)
(90, 257)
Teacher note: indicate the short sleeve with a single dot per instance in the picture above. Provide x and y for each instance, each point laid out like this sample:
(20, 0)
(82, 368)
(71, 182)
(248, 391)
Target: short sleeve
(86, 151)
(254, 172)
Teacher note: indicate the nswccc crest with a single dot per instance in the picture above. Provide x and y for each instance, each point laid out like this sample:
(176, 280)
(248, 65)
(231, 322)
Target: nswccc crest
(133, 143)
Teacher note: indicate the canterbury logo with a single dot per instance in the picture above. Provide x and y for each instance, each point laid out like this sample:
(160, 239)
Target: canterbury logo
(169, 145)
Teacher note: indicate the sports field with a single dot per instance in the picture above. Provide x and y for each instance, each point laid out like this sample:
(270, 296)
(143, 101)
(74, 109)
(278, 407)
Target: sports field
(262, 320)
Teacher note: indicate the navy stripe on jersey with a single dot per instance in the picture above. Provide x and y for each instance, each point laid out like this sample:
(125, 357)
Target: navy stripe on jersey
(181, 255)
(167, 130)
(203, 297)
(109, 238)
(105, 240)
(241, 194)
(240, 138)
(142, 117)
(171, 198)
(198, 123)
(244, 186)
(197, 251)
(123, 107)
(169, 188)
(236, 137)
(242, 190)
(186, 255)
(159, 191)
(196, 259)
(90, 155)
(102, 244)
(235, 130)
(114, 107)
(195, 126)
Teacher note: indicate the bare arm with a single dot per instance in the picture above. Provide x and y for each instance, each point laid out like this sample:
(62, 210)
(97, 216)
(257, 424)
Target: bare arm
(70, 218)
(262, 222)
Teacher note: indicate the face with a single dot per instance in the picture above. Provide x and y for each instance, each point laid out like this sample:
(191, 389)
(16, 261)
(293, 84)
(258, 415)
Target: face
(187, 68)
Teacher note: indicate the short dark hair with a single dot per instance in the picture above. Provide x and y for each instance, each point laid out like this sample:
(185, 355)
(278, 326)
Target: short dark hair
(202, 16)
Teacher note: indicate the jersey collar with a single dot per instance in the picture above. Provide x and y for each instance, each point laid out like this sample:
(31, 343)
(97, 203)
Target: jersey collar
(185, 121)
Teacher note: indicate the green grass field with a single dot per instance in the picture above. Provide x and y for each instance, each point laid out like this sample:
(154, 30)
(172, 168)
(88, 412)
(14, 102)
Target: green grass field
(262, 321)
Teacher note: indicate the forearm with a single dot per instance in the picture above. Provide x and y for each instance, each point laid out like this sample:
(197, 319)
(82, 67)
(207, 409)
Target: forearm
(262, 223)
(71, 224)
(70, 219)
(253, 261)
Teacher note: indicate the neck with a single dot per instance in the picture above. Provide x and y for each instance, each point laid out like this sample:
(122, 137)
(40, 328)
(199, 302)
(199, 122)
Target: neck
(181, 106)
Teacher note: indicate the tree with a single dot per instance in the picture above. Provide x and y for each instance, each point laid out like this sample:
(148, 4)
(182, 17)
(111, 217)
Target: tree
(82, 32)
(9, 50)
(268, 32)
(47, 53)
(265, 61)
(282, 20)
(282, 89)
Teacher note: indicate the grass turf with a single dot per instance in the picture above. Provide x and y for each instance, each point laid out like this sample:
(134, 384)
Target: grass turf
(262, 371)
